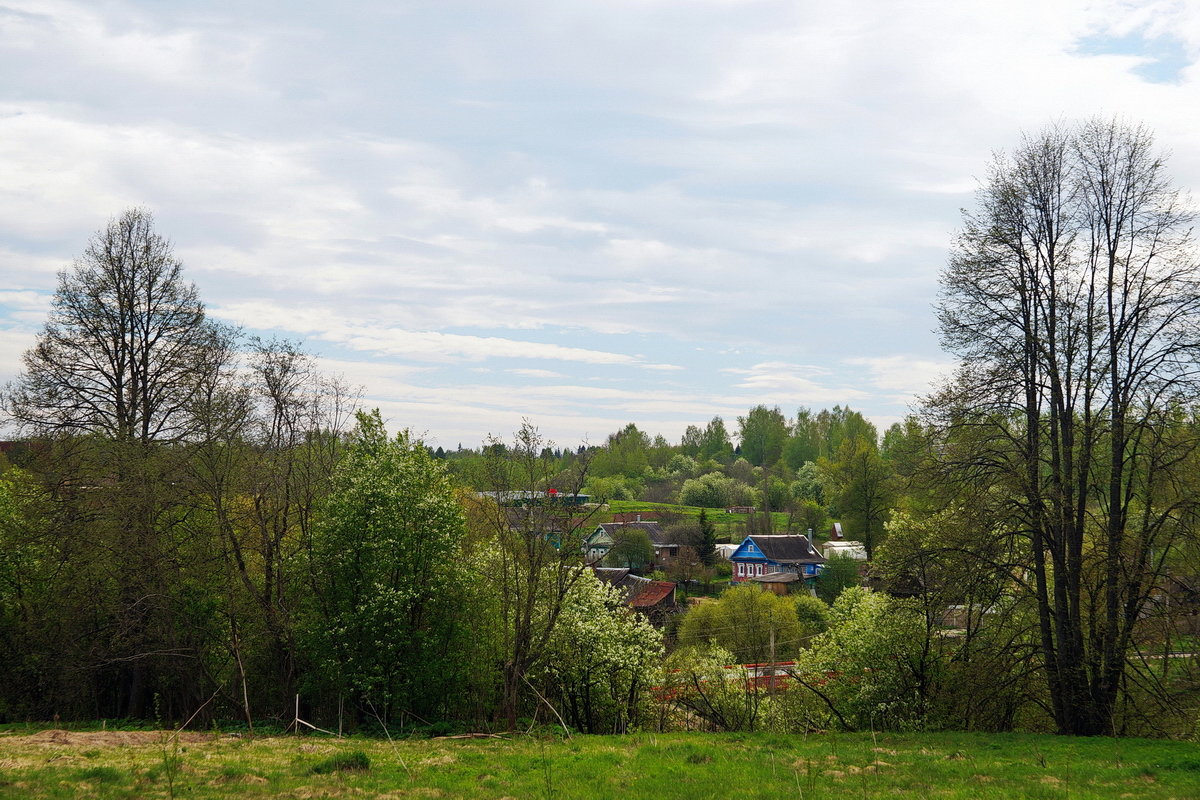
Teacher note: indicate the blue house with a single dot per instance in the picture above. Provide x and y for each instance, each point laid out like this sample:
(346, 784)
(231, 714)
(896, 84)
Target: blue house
(790, 554)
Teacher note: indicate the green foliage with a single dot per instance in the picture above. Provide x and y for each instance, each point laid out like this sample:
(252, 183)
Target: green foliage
(631, 548)
(353, 761)
(873, 667)
(807, 485)
(864, 487)
(704, 680)
(682, 466)
(762, 433)
(626, 454)
(811, 516)
(814, 615)
(384, 622)
(601, 659)
(746, 621)
(706, 546)
(839, 573)
(613, 487)
(715, 490)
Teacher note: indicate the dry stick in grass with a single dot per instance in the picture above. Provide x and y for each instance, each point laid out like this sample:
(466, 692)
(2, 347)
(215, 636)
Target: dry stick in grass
(297, 722)
(550, 706)
(388, 734)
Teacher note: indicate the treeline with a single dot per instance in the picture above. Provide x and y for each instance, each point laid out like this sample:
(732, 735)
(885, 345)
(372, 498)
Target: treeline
(199, 527)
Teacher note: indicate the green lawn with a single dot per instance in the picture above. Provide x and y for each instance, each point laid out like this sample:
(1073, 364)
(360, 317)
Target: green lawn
(726, 524)
(688, 766)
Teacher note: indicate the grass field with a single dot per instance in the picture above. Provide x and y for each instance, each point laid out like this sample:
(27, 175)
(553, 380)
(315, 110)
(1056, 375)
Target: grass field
(727, 525)
(150, 764)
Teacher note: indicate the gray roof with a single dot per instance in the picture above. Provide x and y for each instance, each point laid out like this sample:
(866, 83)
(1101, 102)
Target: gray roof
(629, 585)
(657, 535)
(788, 549)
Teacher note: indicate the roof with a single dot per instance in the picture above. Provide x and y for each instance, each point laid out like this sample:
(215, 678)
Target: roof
(630, 586)
(653, 594)
(777, 577)
(785, 548)
(652, 529)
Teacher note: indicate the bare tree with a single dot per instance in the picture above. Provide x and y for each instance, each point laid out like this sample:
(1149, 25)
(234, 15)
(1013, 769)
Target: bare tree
(538, 533)
(127, 346)
(1073, 300)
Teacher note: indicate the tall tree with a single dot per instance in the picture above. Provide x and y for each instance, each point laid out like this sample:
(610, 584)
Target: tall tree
(864, 487)
(384, 556)
(115, 377)
(127, 346)
(1072, 300)
(537, 552)
(763, 432)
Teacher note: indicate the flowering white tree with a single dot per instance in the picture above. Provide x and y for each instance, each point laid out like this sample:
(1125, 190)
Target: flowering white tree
(600, 659)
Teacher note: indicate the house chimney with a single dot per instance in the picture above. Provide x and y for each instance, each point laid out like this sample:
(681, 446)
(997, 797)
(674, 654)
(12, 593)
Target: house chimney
(810, 537)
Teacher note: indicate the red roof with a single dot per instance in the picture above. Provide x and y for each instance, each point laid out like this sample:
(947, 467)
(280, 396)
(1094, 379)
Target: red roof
(653, 594)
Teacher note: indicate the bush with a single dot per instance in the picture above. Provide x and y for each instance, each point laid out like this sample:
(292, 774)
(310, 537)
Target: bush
(872, 666)
(839, 573)
(715, 490)
(354, 761)
(813, 614)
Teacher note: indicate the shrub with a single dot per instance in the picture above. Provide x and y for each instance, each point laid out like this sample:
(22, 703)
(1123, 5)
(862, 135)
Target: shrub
(353, 761)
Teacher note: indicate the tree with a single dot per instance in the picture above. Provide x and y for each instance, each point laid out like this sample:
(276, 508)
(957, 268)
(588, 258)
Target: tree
(537, 554)
(631, 548)
(119, 379)
(127, 346)
(706, 547)
(1072, 300)
(839, 573)
(864, 488)
(385, 627)
(714, 442)
(873, 667)
(601, 659)
(755, 625)
(763, 432)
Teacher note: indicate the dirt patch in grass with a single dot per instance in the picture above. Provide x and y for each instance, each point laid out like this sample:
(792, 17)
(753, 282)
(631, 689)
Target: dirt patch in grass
(59, 738)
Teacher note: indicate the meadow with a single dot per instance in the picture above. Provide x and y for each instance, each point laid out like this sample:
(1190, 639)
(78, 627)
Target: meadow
(157, 764)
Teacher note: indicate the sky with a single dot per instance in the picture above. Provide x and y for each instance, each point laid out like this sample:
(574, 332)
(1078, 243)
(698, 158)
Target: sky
(581, 214)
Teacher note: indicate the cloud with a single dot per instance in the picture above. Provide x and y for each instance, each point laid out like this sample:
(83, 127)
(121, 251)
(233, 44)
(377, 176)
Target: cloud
(904, 377)
(697, 206)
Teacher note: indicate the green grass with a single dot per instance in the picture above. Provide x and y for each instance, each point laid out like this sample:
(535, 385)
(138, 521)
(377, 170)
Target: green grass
(659, 766)
(725, 524)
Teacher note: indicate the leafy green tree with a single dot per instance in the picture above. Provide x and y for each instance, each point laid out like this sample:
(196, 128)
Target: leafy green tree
(873, 668)
(814, 615)
(839, 573)
(810, 516)
(706, 547)
(537, 557)
(385, 626)
(865, 490)
(807, 485)
(626, 453)
(703, 681)
(751, 623)
(714, 443)
(631, 548)
(601, 660)
(762, 432)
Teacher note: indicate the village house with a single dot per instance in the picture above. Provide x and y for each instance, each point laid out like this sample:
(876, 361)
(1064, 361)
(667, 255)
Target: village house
(760, 555)
(653, 599)
(597, 544)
